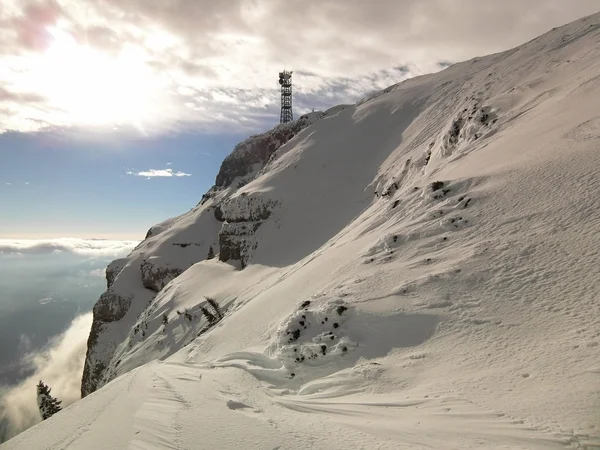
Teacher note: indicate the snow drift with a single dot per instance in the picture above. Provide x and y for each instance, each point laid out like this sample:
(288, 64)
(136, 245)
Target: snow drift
(418, 270)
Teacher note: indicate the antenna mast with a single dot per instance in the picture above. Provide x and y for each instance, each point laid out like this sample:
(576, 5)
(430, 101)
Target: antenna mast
(285, 81)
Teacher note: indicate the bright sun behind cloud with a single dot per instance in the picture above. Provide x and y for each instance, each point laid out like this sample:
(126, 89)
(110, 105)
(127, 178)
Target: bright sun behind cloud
(166, 66)
(92, 88)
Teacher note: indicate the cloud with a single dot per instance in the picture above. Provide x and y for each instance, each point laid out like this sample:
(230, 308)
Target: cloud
(6, 96)
(159, 173)
(98, 273)
(157, 66)
(24, 344)
(85, 247)
(60, 365)
(31, 25)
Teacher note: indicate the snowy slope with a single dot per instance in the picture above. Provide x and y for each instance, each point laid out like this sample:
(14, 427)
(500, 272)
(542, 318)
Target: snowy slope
(419, 270)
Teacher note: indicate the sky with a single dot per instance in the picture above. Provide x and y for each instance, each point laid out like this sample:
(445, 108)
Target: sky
(116, 114)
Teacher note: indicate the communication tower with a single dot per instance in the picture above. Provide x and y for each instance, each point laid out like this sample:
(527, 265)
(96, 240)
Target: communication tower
(285, 81)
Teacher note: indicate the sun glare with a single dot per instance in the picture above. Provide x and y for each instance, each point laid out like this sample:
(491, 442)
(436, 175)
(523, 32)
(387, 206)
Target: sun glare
(97, 89)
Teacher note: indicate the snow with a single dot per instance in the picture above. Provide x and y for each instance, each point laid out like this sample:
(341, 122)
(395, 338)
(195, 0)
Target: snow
(446, 228)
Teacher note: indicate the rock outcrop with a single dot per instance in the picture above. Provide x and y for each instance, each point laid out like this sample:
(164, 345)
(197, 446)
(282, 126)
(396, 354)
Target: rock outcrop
(235, 240)
(113, 270)
(241, 215)
(94, 367)
(254, 153)
(155, 276)
(111, 307)
(224, 220)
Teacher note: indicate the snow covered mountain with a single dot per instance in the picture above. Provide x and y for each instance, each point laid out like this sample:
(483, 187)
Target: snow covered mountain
(418, 270)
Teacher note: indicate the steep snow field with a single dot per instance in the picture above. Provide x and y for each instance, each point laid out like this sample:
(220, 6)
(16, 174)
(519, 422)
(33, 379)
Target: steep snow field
(419, 270)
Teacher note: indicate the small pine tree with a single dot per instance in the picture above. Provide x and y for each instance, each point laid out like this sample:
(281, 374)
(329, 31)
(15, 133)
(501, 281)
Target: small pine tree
(165, 319)
(47, 404)
(215, 306)
(211, 253)
(209, 316)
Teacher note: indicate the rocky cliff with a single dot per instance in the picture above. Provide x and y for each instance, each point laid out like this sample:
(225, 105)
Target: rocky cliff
(255, 152)
(223, 224)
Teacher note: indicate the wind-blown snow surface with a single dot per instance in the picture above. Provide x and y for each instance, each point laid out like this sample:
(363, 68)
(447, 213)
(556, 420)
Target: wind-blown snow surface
(381, 309)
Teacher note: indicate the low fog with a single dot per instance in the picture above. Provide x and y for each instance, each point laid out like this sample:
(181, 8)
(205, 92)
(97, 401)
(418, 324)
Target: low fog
(60, 365)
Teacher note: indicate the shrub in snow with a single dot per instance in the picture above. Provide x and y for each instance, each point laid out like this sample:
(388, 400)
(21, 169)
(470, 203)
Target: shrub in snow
(313, 336)
(209, 316)
(215, 307)
(456, 222)
(454, 132)
(211, 253)
(47, 404)
(213, 314)
(436, 186)
(428, 156)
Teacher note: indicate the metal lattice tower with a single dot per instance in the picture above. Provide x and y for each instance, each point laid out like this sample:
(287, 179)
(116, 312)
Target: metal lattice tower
(285, 81)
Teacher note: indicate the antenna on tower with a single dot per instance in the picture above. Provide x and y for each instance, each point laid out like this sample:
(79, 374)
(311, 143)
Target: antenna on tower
(285, 81)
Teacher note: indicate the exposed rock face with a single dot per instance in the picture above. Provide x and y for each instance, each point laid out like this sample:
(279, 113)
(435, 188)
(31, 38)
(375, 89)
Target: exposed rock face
(236, 242)
(244, 208)
(132, 282)
(258, 149)
(94, 367)
(242, 216)
(113, 270)
(156, 276)
(111, 307)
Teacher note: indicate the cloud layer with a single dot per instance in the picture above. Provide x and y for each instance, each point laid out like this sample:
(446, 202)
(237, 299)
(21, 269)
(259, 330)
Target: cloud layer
(157, 66)
(60, 366)
(159, 173)
(85, 247)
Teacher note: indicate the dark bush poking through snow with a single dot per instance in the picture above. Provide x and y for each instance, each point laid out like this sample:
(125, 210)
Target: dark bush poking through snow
(211, 253)
(455, 131)
(305, 304)
(208, 315)
(308, 337)
(215, 307)
(436, 186)
(213, 314)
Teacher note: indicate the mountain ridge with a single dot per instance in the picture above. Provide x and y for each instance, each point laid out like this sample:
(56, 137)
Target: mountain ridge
(409, 257)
